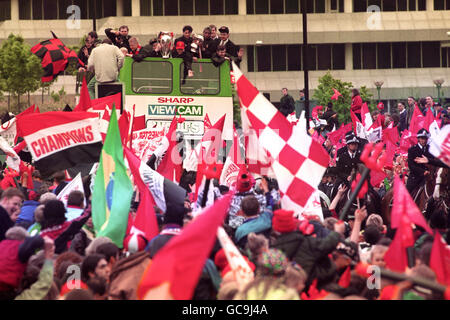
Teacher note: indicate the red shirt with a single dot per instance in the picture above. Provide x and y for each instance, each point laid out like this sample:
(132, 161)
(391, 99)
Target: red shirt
(356, 104)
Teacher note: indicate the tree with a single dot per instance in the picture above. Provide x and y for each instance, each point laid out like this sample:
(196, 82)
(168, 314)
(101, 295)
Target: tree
(324, 92)
(20, 70)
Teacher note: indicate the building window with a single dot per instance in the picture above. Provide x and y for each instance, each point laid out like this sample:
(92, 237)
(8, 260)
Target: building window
(383, 55)
(399, 55)
(441, 4)
(431, 54)
(294, 52)
(127, 8)
(188, 7)
(286, 6)
(390, 5)
(25, 9)
(289, 57)
(5, 10)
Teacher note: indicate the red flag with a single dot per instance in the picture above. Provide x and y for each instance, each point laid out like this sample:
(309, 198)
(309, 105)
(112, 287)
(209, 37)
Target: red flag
(429, 118)
(30, 110)
(366, 116)
(405, 205)
(139, 123)
(416, 121)
(174, 271)
(172, 159)
(145, 221)
(391, 134)
(208, 150)
(84, 104)
(344, 280)
(207, 123)
(124, 127)
(406, 141)
(396, 257)
(440, 260)
(99, 105)
(315, 112)
(339, 134)
(390, 152)
(336, 95)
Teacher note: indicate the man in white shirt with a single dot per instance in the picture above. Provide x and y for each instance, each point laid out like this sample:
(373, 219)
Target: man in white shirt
(106, 61)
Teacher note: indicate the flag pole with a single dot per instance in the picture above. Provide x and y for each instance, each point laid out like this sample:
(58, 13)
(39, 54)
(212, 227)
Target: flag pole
(305, 56)
(364, 176)
(205, 193)
(395, 276)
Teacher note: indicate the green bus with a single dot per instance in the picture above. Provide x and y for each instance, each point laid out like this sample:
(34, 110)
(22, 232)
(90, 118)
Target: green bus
(158, 90)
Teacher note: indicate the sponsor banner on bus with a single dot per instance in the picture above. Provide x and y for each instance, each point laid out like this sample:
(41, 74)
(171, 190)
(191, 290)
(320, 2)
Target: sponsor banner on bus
(159, 111)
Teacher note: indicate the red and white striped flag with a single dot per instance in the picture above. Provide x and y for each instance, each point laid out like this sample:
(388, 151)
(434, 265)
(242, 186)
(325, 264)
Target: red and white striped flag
(299, 162)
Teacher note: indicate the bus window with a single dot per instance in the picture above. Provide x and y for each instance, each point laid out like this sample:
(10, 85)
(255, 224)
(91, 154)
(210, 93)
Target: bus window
(152, 77)
(206, 79)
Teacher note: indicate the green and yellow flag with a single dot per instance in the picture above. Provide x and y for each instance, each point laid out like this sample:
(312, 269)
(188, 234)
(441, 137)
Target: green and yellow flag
(113, 190)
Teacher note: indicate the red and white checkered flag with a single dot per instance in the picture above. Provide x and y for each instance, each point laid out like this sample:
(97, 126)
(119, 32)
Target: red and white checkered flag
(298, 161)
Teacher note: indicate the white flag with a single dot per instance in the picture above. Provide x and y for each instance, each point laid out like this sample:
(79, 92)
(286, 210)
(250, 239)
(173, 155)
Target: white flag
(75, 184)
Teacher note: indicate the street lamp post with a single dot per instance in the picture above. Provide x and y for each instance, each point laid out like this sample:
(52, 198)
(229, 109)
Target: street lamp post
(305, 59)
(438, 83)
(378, 84)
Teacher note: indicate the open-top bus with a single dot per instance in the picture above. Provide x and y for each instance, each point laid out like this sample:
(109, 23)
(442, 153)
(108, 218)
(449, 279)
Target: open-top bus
(157, 89)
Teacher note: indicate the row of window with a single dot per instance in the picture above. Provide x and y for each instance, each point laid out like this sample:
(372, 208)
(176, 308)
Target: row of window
(390, 5)
(383, 55)
(395, 55)
(51, 9)
(188, 7)
(293, 6)
(289, 57)
(57, 9)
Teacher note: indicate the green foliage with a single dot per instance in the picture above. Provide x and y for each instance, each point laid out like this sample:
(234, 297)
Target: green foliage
(58, 96)
(20, 70)
(324, 92)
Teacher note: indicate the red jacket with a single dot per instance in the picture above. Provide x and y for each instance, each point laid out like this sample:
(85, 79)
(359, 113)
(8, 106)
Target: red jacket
(356, 104)
(12, 269)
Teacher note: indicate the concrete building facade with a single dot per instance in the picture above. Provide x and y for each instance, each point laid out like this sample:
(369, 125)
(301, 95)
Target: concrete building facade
(403, 43)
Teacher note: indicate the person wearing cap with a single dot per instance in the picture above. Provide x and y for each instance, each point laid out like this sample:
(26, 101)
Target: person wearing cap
(347, 159)
(224, 40)
(181, 52)
(418, 156)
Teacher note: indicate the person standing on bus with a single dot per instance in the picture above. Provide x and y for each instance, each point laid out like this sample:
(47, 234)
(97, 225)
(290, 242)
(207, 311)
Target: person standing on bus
(181, 52)
(106, 61)
(209, 45)
(119, 38)
(224, 40)
(186, 38)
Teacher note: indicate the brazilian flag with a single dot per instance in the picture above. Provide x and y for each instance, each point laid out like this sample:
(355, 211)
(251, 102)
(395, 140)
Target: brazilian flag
(113, 190)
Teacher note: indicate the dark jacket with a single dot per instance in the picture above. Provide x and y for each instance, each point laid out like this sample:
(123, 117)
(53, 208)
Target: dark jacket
(84, 58)
(331, 121)
(310, 253)
(217, 60)
(209, 48)
(112, 36)
(287, 105)
(403, 123)
(5, 222)
(187, 42)
(161, 240)
(187, 59)
(417, 170)
(230, 47)
(345, 164)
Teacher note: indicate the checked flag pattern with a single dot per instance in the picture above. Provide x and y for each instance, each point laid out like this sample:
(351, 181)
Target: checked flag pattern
(298, 161)
(55, 57)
